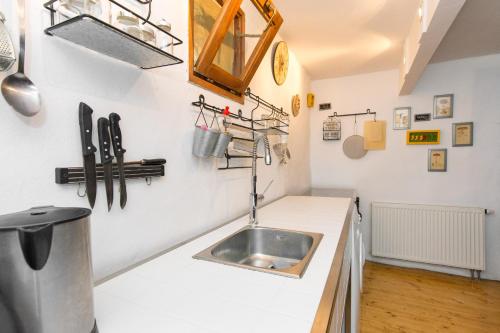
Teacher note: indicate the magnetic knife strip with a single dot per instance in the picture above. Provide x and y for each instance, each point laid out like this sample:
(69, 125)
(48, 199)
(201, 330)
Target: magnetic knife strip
(132, 171)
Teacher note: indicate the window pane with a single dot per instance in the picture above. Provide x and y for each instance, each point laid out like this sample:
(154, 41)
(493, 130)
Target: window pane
(205, 14)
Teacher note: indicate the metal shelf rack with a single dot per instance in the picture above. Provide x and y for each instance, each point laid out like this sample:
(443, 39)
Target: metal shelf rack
(94, 34)
(230, 156)
(248, 125)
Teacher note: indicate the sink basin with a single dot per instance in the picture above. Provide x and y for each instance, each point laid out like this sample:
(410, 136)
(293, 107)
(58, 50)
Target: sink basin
(276, 251)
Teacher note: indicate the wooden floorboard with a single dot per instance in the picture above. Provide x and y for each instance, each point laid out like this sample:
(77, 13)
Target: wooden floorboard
(406, 300)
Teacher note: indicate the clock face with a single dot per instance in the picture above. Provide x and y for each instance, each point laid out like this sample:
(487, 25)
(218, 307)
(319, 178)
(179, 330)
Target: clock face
(280, 63)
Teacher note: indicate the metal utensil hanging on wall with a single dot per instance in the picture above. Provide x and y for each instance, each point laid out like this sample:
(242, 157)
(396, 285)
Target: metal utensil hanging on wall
(7, 53)
(283, 152)
(17, 89)
(354, 146)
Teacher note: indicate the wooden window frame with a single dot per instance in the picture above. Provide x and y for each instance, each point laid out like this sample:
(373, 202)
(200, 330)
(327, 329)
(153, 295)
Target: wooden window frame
(210, 76)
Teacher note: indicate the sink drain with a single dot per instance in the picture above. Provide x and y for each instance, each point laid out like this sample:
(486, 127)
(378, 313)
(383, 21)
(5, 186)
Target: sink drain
(271, 267)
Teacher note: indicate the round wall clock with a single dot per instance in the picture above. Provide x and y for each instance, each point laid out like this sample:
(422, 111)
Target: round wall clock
(280, 63)
(295, 105)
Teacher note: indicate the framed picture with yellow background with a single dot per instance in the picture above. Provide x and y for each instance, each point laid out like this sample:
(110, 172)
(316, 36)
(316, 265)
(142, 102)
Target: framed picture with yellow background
(438, 160)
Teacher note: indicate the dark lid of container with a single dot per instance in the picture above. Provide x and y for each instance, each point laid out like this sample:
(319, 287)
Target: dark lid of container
(39, 216)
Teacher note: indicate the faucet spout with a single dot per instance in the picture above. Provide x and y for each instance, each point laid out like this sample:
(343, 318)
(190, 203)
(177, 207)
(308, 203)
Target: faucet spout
(254, 196)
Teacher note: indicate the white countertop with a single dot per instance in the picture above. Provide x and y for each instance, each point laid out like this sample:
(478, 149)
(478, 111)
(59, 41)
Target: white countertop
(176, 293)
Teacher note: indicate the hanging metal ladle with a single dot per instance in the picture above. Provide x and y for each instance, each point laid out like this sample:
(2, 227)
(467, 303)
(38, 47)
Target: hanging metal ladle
(17, 89)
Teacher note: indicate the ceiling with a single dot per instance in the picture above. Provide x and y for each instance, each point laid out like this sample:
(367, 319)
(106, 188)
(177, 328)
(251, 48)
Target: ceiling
(475, 32)
(335, 38)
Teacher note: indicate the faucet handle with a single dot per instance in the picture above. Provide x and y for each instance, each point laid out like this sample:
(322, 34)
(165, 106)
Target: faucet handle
(261, 196)
(268, 186)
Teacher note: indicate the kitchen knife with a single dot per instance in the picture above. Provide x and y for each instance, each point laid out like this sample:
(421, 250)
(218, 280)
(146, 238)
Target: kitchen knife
(106, 158)
(88, 151)
(116, 139)
(155, 161)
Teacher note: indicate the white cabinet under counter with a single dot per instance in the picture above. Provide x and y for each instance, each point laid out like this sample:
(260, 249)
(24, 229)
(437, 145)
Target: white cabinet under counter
(176, 293)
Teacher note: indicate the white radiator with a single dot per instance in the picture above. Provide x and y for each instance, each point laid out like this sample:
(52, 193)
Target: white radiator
(441, 235)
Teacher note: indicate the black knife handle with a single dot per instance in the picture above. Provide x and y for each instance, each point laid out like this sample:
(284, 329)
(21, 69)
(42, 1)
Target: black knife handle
(104, 141)
(85, 119)
(116, 134)
(155, 161)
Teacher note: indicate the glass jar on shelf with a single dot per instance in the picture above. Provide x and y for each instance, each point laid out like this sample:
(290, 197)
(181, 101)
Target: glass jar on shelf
(148, 34)
(163, 41)
(269, 120)
(68, 9)
(127, 22)
(95, 8)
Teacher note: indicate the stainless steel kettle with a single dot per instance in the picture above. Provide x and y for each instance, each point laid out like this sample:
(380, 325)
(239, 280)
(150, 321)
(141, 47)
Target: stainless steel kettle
(46, 279)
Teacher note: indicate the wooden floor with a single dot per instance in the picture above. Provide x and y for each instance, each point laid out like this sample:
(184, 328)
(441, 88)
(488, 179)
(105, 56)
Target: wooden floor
(406, 300)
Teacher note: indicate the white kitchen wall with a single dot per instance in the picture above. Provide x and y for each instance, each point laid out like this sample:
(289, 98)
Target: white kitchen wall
(399, 173)
(157, 121)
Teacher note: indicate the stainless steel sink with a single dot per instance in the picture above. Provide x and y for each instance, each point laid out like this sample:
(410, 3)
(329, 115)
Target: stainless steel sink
(276, 251)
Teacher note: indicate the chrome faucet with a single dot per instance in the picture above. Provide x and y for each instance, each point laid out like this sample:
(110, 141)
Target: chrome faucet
(254, 197)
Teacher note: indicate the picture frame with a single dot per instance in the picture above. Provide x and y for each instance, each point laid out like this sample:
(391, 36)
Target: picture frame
(438, 160)
(402, 118)
(423, 137)
(325, 106)
(331, 136)
(443, 106)
(463, 134)
(423, 117)
(332, 130)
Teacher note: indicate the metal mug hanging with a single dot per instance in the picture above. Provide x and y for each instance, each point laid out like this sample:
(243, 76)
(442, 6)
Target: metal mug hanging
(222, 142)
(205, 138)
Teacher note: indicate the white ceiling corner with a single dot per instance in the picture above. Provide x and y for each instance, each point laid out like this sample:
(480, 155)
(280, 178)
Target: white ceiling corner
(335, 38)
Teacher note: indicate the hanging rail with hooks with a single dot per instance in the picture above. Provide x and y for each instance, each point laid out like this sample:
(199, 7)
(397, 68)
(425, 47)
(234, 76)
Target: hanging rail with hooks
(261, 102)
(205, 106)
(368, 112)
(271, 130)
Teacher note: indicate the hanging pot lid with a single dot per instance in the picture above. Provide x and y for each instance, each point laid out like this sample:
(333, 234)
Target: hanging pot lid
(354, 147)
(39, 216)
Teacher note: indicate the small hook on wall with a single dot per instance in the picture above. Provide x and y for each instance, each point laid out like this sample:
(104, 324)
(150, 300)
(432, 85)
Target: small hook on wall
(79, 190)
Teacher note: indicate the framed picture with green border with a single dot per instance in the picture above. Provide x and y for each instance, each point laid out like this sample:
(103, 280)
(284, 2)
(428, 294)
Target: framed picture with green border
(423, 137)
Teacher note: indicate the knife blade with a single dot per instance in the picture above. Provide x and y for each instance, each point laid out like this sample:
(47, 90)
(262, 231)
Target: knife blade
(116, 139)
(106, 158)
(88, 152)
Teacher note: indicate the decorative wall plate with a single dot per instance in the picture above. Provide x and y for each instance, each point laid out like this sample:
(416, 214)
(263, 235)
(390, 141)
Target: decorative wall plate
(295, 105)
(280, 63)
